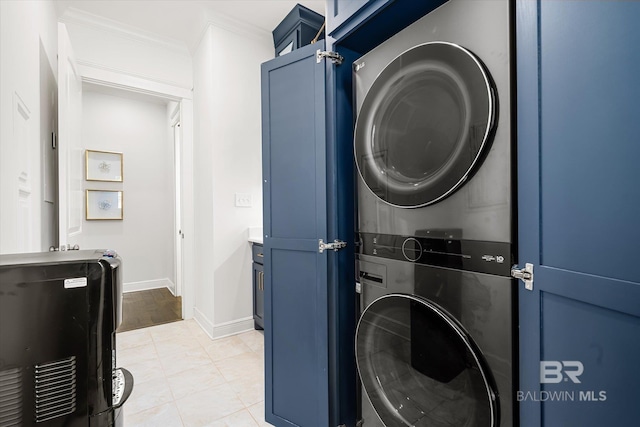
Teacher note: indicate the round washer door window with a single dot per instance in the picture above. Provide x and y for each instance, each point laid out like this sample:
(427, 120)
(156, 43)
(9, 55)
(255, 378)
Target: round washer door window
(420, 368)
(424, 124)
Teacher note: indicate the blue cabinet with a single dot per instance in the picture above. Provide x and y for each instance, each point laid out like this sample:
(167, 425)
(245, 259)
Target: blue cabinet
(295, 218)
(258, 285)
(349, 13)
(297, 29)
(360, 25)
(579, 205)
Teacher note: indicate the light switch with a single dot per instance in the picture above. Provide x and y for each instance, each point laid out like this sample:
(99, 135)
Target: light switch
(243, 200)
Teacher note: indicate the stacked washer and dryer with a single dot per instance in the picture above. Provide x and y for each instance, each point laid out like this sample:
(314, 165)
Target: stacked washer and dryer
(436, 340)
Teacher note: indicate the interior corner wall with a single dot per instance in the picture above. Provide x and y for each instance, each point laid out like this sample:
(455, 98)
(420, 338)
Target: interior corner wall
(203, 140)
(25, 26)
(237, 166)
(144, 238)
(227, 160)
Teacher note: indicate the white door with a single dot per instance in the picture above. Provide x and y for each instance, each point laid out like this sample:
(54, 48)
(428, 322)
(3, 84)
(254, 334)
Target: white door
(70, 159)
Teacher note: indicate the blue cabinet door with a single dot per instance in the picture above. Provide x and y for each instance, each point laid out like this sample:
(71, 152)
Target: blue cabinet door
(578, 211)
(295, 218)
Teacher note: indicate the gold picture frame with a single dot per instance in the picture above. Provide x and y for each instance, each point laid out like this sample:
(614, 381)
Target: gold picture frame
(104, 205)
(104, 166)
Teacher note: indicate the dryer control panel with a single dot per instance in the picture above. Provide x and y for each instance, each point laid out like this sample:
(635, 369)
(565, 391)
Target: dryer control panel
(441, 251)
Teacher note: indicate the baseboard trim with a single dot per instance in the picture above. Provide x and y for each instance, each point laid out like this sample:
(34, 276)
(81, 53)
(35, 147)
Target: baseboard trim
(223, 329)
(232, 328)
(148, 284)
(204, 323)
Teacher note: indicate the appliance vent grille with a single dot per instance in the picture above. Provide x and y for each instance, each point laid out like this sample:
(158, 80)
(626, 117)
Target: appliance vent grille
(11, 397)
(55, 389)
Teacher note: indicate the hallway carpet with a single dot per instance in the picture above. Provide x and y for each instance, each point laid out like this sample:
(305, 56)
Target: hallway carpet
(149, 308)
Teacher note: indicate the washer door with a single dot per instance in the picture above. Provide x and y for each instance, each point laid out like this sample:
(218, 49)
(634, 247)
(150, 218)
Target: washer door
(420, 368)
(424, 124)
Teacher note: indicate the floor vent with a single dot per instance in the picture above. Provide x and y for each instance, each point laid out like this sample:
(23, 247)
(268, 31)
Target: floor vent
(11, 397)
(55, 389)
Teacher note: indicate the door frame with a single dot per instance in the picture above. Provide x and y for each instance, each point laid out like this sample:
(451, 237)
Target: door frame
(184, 115)
(177, 162)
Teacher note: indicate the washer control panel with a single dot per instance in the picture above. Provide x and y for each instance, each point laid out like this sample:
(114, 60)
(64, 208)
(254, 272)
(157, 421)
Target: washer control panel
(441, 251)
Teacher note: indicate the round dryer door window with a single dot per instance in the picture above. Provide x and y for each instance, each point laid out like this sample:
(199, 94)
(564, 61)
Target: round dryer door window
(420, 368)
(424, 124)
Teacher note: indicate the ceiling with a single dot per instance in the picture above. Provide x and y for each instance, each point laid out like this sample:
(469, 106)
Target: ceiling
(183, 21)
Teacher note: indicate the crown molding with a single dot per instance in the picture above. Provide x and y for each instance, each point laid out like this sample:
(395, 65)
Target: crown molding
(78, 17)
(233, 25)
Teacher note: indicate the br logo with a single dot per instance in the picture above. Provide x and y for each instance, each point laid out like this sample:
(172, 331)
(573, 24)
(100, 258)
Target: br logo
(554, 371)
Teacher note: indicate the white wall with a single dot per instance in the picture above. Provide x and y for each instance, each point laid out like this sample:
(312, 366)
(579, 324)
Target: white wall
(227, 160)
(24, 27)
(140, 130)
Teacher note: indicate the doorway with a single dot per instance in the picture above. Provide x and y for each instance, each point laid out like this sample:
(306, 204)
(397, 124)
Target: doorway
(148, 131)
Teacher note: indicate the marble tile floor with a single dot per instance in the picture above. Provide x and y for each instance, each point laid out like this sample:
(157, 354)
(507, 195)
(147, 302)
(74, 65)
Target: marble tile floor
(182, 378)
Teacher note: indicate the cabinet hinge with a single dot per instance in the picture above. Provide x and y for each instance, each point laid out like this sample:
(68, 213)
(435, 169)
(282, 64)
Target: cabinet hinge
(335, 245)
(525, 274)
(335, 57)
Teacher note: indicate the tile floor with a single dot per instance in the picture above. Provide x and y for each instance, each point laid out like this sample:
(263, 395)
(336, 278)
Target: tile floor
(182, 378)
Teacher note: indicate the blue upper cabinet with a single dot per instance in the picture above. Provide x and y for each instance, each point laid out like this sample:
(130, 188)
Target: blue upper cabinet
(344, 13)
(361, 25)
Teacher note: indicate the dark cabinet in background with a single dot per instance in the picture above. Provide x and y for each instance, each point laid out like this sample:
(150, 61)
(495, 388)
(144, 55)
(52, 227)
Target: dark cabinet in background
(297, 29)
(258, 286)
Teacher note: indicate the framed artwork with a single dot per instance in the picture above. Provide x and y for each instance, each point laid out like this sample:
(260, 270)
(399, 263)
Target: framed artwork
(104, 204)
(103, 166)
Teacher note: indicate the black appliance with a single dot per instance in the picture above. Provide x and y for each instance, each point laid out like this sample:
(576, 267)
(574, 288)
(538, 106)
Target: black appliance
(58, 317)
(433, 144)
(433, 137)
(435, 343)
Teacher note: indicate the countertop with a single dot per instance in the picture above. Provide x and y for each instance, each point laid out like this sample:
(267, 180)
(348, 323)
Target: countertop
(255, 235)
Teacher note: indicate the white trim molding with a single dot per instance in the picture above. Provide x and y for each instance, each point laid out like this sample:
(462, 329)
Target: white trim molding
(223, 329)
(118, 79)
(145, 285)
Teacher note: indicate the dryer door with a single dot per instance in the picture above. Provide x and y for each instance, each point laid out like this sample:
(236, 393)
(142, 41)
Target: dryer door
(424, 124)
(419, 367)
